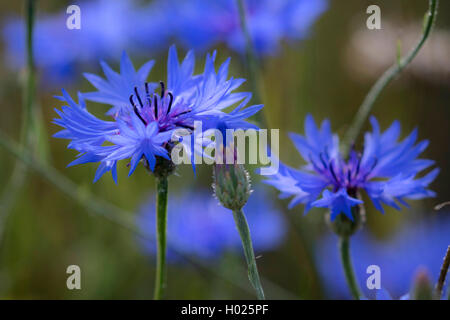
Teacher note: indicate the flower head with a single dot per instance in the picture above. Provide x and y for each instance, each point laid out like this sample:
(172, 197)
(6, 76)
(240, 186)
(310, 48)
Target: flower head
(200, 227)
(387, 170)
(144, 119)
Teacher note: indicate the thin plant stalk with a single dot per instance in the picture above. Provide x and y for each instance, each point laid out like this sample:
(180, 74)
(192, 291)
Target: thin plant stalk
(443, 274)
(100, 208)
(369, 101)
(244, 232)
(161, 229)
(344, 249)
(19, 174)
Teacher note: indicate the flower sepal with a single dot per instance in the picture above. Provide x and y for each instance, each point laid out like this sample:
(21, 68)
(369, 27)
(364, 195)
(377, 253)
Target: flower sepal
(163, 167)
(342, 225)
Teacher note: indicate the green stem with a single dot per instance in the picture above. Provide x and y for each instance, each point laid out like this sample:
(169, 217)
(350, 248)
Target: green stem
(99, 207)
(244, 232)
(443, 274)
(19, 174)
(367, 105)
(68, 187)
(161, 228)
(252, 61)
(30, 74)
(344, 248)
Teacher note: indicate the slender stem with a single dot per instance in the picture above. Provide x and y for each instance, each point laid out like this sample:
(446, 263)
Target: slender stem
(30, 75)
(244, 232)
(344, 248)
(19, 173)
(161, 228)
(443, 273)
(367, 105)
(100, 208)
(252, 60)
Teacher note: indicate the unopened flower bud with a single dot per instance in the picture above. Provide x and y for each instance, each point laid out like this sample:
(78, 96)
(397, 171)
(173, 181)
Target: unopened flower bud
(422, 287)
(231, 185)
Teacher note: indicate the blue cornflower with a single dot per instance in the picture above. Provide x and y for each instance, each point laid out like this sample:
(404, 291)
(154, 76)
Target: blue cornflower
(417, 245)
(105, 30)
(144, 121)
(202, 24)
(199, 226)
(387, 170)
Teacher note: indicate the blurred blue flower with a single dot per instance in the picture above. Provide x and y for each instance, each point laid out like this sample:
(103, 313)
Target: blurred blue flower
(198, 226)
(202, 24)
(143, 121)
(418, 245)
(107, 28)
(387, 170)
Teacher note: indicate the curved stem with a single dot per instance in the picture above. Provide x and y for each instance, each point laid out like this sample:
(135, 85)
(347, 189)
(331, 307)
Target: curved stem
(344, 248)
(98, 207)
(443, 274)
(244, 232)
(367, 105)
(161, 227)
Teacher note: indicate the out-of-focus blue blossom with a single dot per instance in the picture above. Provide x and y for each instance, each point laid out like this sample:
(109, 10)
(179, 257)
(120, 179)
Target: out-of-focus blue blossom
(198, 226)
(202, 24)
(107, 28)
(422, 244)
(143, 121)
(387, 170)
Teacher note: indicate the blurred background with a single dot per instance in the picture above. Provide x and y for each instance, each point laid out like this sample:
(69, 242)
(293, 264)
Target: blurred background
(315, 57)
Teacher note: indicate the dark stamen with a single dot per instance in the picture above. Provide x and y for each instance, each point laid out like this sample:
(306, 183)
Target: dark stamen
(323, 161)
(314, 164)
(156, 106)
(333, 173)
(375, 162)
(136, 110)
(358, 166)
(138, 97)
(170, 102)
(181, 113)
(162, 88)
(185, 126)
(147, 91)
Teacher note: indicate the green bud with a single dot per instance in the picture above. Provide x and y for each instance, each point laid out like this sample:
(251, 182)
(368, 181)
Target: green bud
(422, 287)
(231, 184)
(343, 226)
